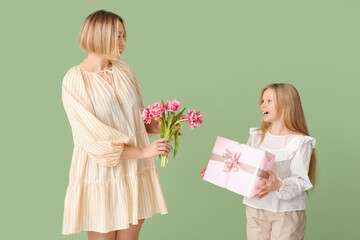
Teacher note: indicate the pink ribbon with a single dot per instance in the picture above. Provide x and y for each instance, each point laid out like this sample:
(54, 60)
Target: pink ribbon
(231, 160)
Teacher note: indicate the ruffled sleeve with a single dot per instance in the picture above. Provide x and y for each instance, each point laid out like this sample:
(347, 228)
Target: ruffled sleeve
(103, 143)
(300, 151)
(254, 136)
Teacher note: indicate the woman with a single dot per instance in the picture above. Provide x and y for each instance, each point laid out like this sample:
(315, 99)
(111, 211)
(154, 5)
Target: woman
(113, 181)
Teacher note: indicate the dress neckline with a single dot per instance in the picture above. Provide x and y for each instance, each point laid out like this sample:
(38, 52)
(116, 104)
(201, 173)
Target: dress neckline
(278, 135)
(105, 70)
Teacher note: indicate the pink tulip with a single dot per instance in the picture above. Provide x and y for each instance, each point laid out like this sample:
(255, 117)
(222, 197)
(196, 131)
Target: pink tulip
(194, 119)
(172, 106)
(198, 121)
(156, 110)
(147, 116)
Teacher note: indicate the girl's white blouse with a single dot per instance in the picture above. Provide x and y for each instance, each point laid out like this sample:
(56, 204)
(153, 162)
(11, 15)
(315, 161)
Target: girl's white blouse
(291, 166)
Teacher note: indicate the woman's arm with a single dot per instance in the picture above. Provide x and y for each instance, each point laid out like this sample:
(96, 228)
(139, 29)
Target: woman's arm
(155, 148)
(103, 143)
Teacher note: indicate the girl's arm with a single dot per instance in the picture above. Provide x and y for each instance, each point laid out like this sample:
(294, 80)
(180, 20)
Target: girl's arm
(297, 182)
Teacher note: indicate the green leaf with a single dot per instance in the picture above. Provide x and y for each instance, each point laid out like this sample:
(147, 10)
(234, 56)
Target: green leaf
(169, 121)
(163, 113)
(167, 133)
(178, 115)
(163, 124)
(176, 142)
(173, 131)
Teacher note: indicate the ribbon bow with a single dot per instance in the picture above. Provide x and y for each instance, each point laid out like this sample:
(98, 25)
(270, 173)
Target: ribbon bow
(231, 160)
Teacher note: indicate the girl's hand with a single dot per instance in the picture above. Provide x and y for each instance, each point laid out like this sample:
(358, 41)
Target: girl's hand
(156, 148)
(272, 184)
(202, 172)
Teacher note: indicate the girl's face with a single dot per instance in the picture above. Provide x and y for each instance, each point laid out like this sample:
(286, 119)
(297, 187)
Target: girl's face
(270, 113)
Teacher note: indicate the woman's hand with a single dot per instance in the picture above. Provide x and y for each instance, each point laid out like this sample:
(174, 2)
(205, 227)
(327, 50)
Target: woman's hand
(180, 134)
(154, 126)
(156, 148)
(272, 184)
(202, 172)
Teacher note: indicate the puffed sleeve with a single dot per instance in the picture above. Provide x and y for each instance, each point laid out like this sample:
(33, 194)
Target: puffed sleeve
(103, 143)
(298, 181)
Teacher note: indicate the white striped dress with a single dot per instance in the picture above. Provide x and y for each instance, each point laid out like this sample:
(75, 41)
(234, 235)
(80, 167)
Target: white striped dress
(105, 193)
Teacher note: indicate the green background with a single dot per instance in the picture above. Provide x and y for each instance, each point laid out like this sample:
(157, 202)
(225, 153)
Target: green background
(213, 56)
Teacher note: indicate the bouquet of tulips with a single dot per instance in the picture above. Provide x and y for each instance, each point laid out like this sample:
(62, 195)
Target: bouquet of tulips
(170, 121)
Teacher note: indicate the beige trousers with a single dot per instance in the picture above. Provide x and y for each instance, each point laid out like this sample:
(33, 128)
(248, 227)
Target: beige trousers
(262, 224)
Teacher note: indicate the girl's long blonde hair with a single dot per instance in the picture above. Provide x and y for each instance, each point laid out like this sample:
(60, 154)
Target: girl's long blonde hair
(288, 104)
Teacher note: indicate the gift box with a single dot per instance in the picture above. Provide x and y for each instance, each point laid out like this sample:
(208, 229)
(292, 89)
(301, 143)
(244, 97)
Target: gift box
(237, 167)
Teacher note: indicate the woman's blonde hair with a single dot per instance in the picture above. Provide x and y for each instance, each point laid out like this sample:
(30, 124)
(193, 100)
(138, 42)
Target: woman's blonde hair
(288, 105)
(99, 33)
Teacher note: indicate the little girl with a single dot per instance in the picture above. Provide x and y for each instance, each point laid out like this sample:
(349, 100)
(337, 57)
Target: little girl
(278, 212)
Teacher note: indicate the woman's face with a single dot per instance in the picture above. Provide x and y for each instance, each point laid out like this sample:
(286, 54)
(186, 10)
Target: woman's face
(122, 41)
(121, 37)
